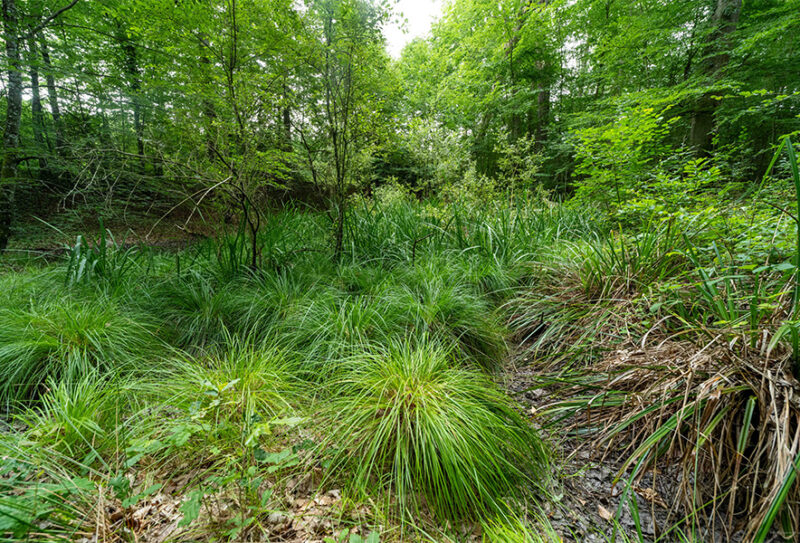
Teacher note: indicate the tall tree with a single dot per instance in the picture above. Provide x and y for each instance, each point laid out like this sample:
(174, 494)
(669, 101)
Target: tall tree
(342, 94)
(37, 113)
(52, 96)
(12, 34)
(723, 23)
(8, 169)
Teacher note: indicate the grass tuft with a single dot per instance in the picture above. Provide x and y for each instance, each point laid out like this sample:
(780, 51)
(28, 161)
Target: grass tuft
(64, 340)
(413, 422)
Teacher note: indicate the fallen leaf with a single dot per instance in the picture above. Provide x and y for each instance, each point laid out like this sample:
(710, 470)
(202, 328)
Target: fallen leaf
(604, 513)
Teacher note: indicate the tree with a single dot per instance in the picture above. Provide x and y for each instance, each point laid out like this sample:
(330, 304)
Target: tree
(12, 34)
(342, 95)
(8, 170)
(716, 57)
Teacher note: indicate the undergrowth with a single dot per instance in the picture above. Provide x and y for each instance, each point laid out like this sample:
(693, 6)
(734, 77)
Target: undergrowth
(192, 390)
(223, 395)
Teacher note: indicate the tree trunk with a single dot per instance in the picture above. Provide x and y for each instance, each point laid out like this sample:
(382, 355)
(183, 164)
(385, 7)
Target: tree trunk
(131, 67)
(542, 114)
(136, 85)
(287, 119)
(8, 170)
(724, 21)
(37, 114)
(52, 96)
(209, 111)
(542, 98)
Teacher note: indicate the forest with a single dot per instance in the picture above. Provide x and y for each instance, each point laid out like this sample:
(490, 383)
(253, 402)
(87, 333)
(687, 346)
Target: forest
(532, 279)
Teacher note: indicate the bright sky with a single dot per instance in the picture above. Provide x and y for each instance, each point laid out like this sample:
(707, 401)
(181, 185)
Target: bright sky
(420, 15)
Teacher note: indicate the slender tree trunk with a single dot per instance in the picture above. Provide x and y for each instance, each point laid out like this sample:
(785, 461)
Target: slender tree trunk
(210, 115)
(37, 114)
(133, 72)
(542, 98)
(724, 21)
(8, 170)
(542, 114)
(287, 118)
(136, 86)
(52, 96)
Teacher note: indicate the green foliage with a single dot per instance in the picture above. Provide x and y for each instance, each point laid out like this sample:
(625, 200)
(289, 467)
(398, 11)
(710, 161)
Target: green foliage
(236, 398)
(614, 159)
(40, 499)
(77, 415)
(104, 263)
(518, 162)
(371, 333)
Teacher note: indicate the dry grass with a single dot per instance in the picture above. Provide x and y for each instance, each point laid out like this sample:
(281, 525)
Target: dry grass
(714, 405)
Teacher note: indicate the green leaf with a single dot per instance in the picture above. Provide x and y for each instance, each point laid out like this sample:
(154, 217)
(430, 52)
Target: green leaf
(135, 499)
(291, 422)
(273, 457)
(191, 507)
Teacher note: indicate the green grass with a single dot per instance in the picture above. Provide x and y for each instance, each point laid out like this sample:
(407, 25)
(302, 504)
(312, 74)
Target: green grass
(41, 496)
(375, 372)
(62, 339)
(78, 415)
(513, 529)
(414, 422)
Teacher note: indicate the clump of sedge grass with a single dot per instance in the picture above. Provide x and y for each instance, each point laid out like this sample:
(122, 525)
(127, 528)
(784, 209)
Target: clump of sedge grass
(513, 529)
(195, 310)
(73, 415)
(62, 339)
(414, 423)
(234, 391)
(432, 300)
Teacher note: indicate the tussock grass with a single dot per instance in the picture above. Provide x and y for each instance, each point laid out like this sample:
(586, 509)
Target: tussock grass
(412, 422)
(78, 415)
(435, 301)
(513, 529)
(678, 358)
(240, 379)
(616, 266)
(67, 339)
(329, 325)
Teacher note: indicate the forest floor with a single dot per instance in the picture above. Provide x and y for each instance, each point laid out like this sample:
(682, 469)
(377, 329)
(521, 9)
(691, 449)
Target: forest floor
(565, 399)
(590, 480)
